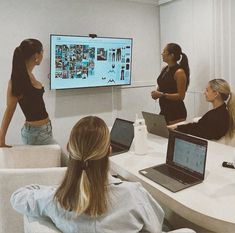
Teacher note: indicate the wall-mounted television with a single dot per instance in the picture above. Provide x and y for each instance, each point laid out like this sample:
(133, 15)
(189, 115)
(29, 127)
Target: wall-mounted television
(83, 61)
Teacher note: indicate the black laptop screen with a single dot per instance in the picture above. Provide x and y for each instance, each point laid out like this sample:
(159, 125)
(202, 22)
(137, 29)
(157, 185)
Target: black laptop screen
(122, 132)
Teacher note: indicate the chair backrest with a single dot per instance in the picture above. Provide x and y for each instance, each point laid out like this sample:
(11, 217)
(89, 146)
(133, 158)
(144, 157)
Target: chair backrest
(227, 140)
(33, 225)
(11, 180)
(28, 156)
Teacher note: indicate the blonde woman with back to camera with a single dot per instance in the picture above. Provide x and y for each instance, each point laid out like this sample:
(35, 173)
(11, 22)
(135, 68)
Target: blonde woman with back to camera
(89, 199)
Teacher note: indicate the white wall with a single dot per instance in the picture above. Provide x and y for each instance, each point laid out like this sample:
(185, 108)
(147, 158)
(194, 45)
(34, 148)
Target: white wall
(39, 19)
(232, 50)
(205, 31)
(190, 24)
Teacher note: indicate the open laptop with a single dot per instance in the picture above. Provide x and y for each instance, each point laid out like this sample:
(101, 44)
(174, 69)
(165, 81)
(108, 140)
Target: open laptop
(185, 163)
(121, 136)
(156, 124)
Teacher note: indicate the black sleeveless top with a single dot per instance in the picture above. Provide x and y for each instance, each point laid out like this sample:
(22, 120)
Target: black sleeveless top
(171, 109)
(32, 104)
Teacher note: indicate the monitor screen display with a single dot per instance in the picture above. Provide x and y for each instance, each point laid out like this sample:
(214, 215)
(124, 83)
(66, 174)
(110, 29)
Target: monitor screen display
(80, 62)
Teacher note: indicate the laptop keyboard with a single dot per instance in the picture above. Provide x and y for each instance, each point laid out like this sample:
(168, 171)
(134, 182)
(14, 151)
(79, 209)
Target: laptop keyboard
(175, 174)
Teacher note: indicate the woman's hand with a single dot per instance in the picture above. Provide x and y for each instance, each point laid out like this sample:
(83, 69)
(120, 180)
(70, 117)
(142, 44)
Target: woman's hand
(172, 127)
(156, 94)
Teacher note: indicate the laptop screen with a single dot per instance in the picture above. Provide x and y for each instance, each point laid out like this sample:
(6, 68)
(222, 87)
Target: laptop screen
(187, 152)
(122, 132)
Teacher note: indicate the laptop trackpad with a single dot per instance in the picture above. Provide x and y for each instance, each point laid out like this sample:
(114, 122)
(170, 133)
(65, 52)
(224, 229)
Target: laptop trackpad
(166, 181)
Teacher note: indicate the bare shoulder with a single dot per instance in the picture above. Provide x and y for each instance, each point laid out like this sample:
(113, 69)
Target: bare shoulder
(180, 72)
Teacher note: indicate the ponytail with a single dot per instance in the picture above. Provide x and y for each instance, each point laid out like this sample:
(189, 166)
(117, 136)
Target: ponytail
(184, 64)
(19, 74)
(231, 110)
(84, 194)
(176, 50)
(223, 88)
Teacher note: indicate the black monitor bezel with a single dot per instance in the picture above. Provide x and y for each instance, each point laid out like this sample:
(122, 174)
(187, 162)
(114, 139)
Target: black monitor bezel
(103, 86)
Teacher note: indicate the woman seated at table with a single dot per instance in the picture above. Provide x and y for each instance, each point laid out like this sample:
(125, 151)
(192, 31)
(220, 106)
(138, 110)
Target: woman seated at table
(89, 199)
(219, 121)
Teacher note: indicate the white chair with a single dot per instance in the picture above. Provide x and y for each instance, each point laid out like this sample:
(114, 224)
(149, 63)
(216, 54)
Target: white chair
(11, 180)
(28, 156)
(32, 225)
(227, 140)
(22, 165)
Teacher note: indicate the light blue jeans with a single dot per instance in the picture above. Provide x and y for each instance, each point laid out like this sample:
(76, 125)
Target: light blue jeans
(37, 135)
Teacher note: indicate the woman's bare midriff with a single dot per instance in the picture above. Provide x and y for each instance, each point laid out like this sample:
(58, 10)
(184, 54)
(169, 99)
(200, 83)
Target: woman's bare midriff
(38, 123)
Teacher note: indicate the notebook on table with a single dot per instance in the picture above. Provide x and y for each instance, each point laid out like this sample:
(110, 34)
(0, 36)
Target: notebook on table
(156, 124)
(185, 163)
(121, 136)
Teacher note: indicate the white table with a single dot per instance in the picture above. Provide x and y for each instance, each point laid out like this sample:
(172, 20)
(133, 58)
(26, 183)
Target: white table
(210, 205)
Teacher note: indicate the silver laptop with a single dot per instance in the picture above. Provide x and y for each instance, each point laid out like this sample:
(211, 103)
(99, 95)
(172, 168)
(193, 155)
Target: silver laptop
(156, 124)
(121, 136)
(185, 163)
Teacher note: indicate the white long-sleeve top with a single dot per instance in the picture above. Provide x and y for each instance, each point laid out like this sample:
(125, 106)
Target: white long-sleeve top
(132, 209)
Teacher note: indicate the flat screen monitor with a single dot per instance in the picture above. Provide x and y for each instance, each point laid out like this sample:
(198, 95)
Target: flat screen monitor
(82, 61)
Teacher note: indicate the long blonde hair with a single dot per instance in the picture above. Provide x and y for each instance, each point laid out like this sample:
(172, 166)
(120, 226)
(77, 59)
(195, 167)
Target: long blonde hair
(84, 188)
(223, 88)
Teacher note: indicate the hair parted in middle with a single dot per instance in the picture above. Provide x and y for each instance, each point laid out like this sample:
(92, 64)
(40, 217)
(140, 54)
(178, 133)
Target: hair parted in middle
(84, 188)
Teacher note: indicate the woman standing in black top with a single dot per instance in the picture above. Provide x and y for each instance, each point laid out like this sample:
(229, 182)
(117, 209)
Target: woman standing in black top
(25, 89)
(219, 121)
(173, 82)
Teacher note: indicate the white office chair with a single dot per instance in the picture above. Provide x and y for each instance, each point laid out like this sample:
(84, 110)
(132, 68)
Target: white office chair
(227, 140)
(23, 165)
(28, 156)
(32, 225)
(11, 180)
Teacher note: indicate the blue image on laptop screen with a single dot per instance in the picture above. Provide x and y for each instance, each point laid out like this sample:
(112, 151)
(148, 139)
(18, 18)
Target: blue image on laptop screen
(189, 155)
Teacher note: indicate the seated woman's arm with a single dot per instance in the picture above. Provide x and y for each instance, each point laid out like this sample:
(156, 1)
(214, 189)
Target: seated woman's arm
(30, 200)
(208, 127)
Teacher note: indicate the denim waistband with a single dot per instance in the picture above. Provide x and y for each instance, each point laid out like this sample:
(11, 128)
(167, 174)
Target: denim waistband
(45, 126)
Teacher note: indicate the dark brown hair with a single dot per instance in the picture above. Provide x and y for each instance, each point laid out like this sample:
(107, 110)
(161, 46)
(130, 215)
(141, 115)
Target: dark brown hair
(176, 50)
(19, 75)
